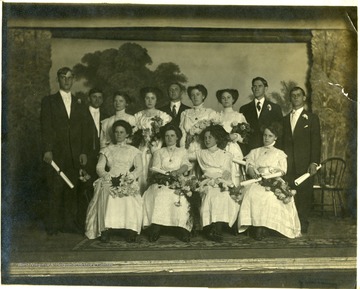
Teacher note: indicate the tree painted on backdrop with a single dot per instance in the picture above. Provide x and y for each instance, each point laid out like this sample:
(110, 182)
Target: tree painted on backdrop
(283, 98)
(126, 69)
(334, 99)
(331, 86)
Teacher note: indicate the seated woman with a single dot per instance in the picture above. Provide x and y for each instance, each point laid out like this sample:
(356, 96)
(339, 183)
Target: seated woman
(160, 201)
(227, 117)
(117, 203)
(217, 207)
(148, 122)
(260, 207)
(120, 100)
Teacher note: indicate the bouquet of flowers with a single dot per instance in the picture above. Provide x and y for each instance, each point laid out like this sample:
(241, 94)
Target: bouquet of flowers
(243, 129)
(280, 188)
(236, 193)
(149, 131)
(197, 129)
(123, 186)
(152, 133)
(182, 186)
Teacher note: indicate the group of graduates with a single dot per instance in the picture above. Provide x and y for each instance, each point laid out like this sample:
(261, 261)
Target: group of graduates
(177, 166)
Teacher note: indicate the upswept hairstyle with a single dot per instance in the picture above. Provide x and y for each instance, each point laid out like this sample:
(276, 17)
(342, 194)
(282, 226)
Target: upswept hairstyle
(200, 88)
(176, 129)
(123, 94)
(234, 93)
(154, 90)
(123, 124)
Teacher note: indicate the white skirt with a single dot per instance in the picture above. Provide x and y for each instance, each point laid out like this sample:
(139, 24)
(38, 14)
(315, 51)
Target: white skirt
(124, 213)
(159, 208)
(262, 208)
(217, 206)
(106, 212)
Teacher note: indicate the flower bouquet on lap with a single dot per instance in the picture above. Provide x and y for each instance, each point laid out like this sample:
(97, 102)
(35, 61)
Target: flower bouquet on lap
(123, 185)
(273, 182)
(224, 184)
(181, 186)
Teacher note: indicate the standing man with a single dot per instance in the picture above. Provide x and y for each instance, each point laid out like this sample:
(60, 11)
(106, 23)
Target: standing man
(93, 118)
(302, 144)
(258, 112)
(175, 107)
(64, 139)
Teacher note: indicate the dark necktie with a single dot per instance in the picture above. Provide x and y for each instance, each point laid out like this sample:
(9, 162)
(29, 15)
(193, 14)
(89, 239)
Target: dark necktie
(258, 106)
(174, 110)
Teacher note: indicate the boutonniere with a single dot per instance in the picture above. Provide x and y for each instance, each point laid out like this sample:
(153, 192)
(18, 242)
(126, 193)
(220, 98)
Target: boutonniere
(269, 107)
(79, 100)
(305, 116)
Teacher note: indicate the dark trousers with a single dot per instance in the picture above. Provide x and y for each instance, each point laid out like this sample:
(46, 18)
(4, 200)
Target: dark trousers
(86, 189)
(62, 201)
(304, 200)
(304, 196)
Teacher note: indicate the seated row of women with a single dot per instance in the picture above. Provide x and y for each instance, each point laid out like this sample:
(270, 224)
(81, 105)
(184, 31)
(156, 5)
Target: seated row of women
(170, 199)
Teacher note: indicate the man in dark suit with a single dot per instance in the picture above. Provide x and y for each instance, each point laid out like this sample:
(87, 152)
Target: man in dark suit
(93, 118)
(302, 144)
(64, 142)
(258, 112)
(175, 107)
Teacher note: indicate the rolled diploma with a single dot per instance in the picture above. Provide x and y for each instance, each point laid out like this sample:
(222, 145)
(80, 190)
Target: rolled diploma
(62, 175)
(240, 162)
(249, 182)
(274, 175)
(304, 177)
(160, 171)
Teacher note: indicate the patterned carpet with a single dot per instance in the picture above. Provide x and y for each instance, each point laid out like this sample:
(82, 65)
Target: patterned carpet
(323, 233)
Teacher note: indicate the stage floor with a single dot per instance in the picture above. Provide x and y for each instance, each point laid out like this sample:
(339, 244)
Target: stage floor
(326, 252)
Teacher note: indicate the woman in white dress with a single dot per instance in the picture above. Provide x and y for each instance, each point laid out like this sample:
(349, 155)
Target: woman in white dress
(120, 100)
(190, 117)
(260, 207)
(148, 122)
(117, 204)
(227, 117)
(164, 206)
(217, 207)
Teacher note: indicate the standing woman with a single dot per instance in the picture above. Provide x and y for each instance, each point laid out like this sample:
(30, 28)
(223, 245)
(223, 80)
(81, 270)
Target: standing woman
(148, 122)
(190, 117)
(120, 100)
(217, 207)
(160, 200)
(228, 116)
(117, 203)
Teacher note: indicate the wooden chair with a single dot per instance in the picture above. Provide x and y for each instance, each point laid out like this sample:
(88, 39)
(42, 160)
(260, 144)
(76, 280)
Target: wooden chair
(329, 179)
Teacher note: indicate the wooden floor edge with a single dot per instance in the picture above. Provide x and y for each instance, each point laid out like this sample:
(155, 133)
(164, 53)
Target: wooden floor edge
(173, 266)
